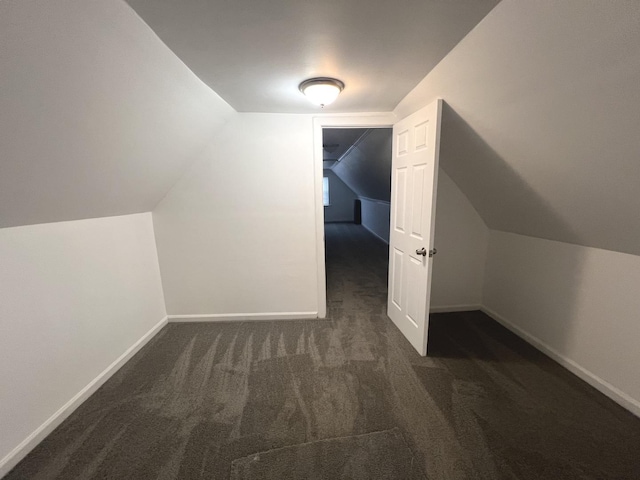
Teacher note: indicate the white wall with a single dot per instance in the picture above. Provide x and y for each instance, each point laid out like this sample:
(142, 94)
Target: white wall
(579, 304)
(74, 296)
(237, 235)
(341, 199)
(461, 239)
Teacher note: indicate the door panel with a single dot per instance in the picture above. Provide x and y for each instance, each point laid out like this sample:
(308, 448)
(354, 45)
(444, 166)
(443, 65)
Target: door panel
(399, 198)
(395, 286)
(417, 203)
(403, 143)
(413, 188)
(414, 294)
(421, 135)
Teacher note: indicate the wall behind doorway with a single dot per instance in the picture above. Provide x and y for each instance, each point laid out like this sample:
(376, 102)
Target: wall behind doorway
(341, 199)
(462, 240)
(461, 235)
(366, 169)
(376, 216)
(234, 235)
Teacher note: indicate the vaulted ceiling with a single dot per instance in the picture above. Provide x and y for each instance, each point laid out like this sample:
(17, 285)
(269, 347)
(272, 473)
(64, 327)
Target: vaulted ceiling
(97, 116)
(541, 127)
(255, 53)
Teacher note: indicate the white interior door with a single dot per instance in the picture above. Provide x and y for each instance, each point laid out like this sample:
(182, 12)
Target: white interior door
(414, 175)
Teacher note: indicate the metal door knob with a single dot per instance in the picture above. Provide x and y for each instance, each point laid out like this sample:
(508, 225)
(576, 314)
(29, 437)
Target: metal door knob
(422, 252)
(432, 252)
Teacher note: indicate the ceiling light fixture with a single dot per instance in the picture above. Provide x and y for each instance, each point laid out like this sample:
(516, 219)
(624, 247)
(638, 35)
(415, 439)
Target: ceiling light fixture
(322, 90)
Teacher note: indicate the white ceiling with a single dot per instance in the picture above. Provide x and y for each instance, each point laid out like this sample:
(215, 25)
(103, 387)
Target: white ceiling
(254, 53)
(97, 116)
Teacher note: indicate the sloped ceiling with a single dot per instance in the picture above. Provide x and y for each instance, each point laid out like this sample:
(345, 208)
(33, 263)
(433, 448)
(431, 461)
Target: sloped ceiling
(336, 142)
(366, 167)
(541, 128)
(97, 116)
(255, 53)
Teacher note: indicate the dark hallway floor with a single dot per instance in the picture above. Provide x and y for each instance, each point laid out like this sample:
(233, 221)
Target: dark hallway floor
(343, 398)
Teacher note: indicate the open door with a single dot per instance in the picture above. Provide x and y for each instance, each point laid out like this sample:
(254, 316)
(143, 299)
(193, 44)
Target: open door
(414, 175)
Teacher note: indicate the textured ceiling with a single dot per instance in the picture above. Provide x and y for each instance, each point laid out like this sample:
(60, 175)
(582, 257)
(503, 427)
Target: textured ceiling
(255, 53)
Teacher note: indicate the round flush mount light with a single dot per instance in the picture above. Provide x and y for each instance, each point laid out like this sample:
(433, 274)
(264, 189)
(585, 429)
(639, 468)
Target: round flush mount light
(322, 90)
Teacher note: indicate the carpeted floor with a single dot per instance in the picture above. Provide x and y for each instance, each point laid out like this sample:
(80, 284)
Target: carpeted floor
(343, 398)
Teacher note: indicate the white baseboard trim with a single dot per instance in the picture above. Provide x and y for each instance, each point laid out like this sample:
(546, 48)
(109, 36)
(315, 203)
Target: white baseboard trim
(374, 233)
(598, 383)
(29, 443)
(455, 308)
(230, 317)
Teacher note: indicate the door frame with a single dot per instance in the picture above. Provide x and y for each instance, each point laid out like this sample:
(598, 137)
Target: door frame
(347, 120)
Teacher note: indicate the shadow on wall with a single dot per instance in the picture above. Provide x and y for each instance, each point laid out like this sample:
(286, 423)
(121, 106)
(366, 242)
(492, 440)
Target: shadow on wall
(502, 197)
(494, 189)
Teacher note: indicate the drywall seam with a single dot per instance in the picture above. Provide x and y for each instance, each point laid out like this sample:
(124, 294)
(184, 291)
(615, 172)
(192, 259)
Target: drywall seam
(225, 317)
(39, 434)
(455, 308)
(599, 384)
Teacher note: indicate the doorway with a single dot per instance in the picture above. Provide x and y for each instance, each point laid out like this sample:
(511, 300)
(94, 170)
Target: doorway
(362, 121)
(414, 165)
(356, 201)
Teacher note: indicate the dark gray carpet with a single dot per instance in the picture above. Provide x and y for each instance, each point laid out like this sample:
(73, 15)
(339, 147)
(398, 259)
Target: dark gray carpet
(249, 399)
(382, 455)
